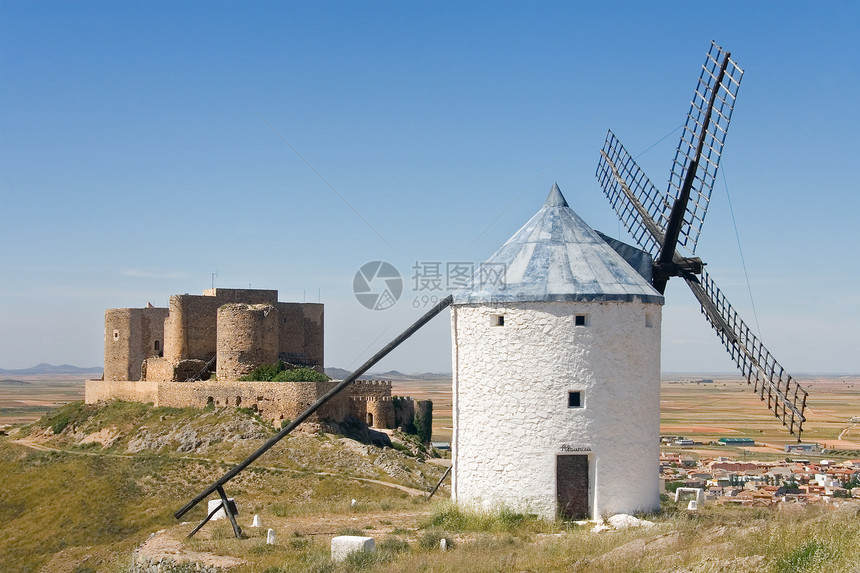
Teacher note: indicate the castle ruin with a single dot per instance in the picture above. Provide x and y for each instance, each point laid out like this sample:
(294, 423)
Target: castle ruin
(193, 353)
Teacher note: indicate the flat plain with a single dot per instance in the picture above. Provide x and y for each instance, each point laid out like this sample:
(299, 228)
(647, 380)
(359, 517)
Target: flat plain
(28, 398)
(703, 411)
(727, 407)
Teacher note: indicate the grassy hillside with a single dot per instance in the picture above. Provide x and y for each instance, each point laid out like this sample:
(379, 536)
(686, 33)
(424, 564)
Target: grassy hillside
(105, 478)
(85, 486)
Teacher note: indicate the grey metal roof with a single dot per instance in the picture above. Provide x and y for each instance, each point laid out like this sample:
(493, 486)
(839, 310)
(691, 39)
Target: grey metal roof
(556, 256)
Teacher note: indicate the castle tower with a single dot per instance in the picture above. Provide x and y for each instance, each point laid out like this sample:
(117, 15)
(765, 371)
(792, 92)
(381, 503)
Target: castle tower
(247, 337)
(556, 384)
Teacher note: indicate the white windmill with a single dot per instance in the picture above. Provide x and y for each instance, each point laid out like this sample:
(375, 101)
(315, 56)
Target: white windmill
(557, 375)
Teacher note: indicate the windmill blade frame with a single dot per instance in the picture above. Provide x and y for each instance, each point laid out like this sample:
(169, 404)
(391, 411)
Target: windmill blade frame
(660, 223)
(784, 396)
(702, 140)
(638, 203)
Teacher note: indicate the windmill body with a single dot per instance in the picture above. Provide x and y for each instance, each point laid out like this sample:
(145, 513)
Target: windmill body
(556, 360)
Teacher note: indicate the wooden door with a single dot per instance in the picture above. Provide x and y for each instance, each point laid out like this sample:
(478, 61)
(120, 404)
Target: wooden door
(571, 476)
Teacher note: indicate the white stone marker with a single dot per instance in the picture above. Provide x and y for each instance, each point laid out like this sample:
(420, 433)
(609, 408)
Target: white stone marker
(220, 514)
(257, 522)
(443, 544)
(270, 537)
(693, 505)
(343, 545)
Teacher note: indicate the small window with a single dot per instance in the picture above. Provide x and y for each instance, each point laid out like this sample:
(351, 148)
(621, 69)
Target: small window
(580, 320)
(649, 321)
(116, 334)
(157, 345)
(497, 320)
(574, 399)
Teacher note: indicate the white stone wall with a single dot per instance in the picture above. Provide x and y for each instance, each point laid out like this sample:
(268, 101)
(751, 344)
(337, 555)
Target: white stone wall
(511, 415)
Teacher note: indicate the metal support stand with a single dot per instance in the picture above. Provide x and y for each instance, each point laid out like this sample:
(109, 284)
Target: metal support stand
(228, 509)
(441, 479)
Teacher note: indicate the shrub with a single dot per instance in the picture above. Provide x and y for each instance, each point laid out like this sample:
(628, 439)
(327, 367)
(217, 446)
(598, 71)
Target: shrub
(674, 485)
(300, 375)
(264, 372)
(60, 423)
(279, 373)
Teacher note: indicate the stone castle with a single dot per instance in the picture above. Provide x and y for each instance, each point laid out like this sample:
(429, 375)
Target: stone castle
(193, 353)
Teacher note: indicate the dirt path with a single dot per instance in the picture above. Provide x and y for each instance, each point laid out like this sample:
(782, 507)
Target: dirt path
(29, 443)
(846, 430)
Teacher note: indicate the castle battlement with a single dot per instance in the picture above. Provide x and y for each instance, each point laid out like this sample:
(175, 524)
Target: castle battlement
(362, 398)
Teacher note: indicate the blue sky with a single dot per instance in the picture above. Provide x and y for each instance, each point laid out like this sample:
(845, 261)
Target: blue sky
(145, 146)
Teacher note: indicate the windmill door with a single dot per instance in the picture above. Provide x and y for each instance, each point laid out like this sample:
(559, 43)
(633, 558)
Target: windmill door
(571, 476)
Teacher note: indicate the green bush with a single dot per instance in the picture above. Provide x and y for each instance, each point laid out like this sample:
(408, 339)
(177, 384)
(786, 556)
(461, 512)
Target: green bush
(75, 413)
(279, 373)
(264, 372)
(300, 375)
(59, 423)
(674, 485)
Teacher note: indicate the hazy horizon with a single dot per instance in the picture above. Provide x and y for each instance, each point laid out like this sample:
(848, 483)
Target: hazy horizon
(664, 373)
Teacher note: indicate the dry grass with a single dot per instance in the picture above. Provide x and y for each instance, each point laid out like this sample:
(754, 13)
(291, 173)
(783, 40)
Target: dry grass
(73, 509)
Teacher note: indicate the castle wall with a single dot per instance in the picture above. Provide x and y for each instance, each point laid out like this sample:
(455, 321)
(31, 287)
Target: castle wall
(273, 401)
(371, 388)
(301, 333)
(104, 390)
(158, 370)
(248, 336)
(512, 415)
(372, 397)
(131, 336)
(190, 329)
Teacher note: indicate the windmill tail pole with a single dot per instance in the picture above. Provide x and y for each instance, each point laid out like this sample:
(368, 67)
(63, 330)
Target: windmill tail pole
(440, 306)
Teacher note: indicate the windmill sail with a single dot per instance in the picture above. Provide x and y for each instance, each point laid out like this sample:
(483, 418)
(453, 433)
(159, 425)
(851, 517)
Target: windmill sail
(785, 397)
(661, 222)
(640, 206)
(706, 126)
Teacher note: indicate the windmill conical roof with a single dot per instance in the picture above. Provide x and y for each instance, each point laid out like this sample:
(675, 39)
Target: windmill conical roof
(556, 256)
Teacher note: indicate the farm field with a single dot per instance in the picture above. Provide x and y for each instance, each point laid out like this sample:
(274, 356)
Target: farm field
(727, 407)
(27, 398)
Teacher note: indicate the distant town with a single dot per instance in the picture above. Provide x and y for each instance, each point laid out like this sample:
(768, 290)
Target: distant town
(726, 480)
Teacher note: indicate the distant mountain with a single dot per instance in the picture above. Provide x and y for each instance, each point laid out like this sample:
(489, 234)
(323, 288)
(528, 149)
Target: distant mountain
(10, 382)
(44, 368)
(340, 374)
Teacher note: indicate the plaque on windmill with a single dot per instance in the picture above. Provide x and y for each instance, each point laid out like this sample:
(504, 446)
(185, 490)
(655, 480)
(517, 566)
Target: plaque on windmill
(662, 222)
